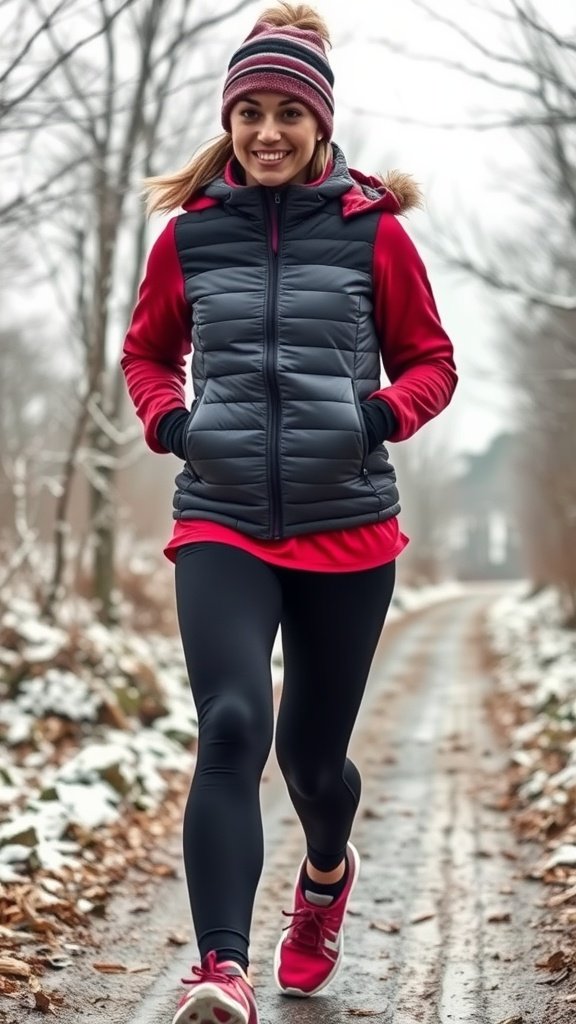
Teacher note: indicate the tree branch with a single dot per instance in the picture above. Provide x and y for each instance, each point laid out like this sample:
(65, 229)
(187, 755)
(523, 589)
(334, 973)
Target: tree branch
(43, 27)
(530, 19)
(7, 106)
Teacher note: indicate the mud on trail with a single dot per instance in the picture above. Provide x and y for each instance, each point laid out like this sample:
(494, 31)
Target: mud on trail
(445, 924)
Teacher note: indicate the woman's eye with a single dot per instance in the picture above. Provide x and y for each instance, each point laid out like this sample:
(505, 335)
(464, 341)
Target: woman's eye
(248, 114)
(292, 114)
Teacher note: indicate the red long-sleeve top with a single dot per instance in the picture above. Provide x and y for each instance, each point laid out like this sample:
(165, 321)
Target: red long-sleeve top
(417, 356)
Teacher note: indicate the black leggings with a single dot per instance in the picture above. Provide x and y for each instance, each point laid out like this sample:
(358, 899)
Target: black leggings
(230, 605)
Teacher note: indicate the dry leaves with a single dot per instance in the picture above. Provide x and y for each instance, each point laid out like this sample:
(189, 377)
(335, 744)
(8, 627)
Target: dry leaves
(556, 979)
(562, 897)
(499, 917)
(555, 962)
(105, 968)
(10, 989)
(390, 927)
(51, 912)
(45, 1001)
(366, 1013)
(14, 968)
(422, 917)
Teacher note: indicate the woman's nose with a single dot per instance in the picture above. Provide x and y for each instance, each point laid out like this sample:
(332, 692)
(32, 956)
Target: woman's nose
(269, 131)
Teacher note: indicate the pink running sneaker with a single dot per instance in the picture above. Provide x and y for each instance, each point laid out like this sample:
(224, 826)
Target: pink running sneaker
(220, 994)
(308, 957)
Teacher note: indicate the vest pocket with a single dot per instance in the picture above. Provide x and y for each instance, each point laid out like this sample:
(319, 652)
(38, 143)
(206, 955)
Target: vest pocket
(188, 434)
(363, 431)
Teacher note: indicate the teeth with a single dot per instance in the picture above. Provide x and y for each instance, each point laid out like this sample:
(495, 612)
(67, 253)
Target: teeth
(271, 157)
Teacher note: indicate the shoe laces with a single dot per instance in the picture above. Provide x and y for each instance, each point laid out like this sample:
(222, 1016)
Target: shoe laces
(311, 926)
(209, 971)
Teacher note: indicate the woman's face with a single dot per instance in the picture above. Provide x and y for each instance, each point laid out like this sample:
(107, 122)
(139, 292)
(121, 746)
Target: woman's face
(274, 138)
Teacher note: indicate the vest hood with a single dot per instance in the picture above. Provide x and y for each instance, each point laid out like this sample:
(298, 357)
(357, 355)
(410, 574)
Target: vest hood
(395, 192)
(359, 193)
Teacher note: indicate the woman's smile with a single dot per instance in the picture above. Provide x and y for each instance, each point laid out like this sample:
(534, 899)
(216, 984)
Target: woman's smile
(271, 156)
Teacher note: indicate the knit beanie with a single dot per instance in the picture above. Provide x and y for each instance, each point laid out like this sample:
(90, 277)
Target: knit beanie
(288, 60)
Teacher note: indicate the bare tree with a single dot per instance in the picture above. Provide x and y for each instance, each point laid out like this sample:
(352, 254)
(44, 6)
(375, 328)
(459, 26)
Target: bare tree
(531, 66)
(105, 111)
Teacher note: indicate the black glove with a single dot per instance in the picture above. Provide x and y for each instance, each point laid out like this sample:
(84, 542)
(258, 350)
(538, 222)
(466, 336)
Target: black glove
(379, 420)
(170, 431)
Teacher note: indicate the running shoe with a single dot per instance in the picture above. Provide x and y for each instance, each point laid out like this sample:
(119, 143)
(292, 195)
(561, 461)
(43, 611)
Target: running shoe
(309, 955)
(220, 993)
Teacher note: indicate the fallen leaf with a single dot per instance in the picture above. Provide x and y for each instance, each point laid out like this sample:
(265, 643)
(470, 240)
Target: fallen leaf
(366, 1013)
(498, 917)
(512, 1020)
(139, 970)
(178, 939)
(562, 897)
(422, 917)
(46, 1001)
(390, 927)
(371, 815)
(16, 968)
(555, 962)
(110, 968)
(556, 979)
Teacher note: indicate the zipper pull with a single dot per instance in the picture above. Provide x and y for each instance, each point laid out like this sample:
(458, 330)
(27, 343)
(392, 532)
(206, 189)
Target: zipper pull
(277, 198)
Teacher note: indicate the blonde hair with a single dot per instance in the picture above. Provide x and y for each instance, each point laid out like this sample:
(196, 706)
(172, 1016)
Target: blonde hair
(166, 192)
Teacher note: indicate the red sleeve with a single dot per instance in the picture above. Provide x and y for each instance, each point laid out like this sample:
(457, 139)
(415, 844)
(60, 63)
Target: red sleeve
(417, 353)
(158, 338)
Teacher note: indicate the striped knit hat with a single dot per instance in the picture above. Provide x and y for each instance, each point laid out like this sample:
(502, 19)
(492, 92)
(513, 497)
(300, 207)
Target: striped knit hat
(288, 60)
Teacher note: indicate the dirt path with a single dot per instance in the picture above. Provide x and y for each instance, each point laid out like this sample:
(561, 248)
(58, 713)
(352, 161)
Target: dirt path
(443, 928)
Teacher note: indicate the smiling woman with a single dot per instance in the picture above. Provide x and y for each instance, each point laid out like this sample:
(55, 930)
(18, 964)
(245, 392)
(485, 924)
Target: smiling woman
(291, 278)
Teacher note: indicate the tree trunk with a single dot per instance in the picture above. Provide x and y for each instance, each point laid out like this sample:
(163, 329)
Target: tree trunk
(61, 513)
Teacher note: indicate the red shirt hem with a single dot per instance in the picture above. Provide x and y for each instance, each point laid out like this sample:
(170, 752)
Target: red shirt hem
(350, 550)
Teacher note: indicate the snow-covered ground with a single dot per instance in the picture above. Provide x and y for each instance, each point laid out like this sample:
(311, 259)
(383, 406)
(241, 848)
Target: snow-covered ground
(91, 721)
(537, 670)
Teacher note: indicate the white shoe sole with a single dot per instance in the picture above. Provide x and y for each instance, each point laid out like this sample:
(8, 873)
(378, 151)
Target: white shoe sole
(199, 1009)
(297, 991)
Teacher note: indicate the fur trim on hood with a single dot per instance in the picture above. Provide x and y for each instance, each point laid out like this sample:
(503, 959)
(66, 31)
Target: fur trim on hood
(395, 191)
(405, 189)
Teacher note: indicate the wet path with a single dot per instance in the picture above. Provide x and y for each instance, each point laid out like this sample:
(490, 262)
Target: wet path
(442, 922)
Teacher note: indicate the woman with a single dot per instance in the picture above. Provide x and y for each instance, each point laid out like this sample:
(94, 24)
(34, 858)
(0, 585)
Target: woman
(289, 276)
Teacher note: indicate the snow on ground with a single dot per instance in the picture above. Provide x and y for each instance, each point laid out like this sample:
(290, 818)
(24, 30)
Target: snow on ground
(91, 720)
(536, 670)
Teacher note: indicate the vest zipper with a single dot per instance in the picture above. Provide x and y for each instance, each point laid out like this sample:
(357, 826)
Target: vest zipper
(273, 214)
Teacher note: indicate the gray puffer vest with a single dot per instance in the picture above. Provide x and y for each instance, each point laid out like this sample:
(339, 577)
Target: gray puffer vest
(284, 351)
